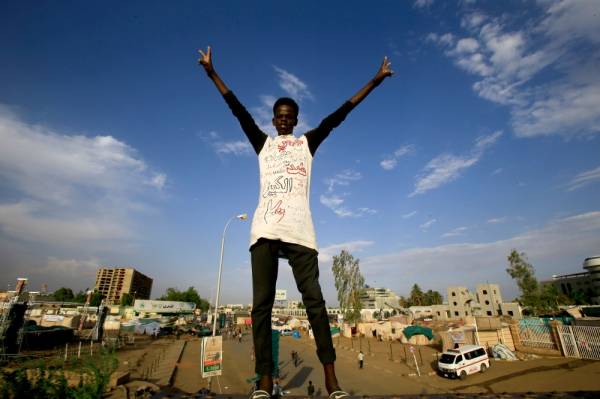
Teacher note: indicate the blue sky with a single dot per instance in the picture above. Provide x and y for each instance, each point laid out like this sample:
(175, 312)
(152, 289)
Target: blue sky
(118, 151)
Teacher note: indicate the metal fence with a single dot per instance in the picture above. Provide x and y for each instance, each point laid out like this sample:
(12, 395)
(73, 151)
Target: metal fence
(580, 341)
(536, 334)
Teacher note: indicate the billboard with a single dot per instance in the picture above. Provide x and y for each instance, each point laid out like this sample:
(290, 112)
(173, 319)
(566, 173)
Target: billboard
(280, 295)
(150, 306)
(211, 361)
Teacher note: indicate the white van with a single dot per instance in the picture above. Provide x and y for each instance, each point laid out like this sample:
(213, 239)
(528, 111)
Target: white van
(460, 362)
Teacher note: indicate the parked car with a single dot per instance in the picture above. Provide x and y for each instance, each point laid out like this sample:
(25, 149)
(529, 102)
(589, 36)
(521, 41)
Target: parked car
(286, 331)
(465, 360)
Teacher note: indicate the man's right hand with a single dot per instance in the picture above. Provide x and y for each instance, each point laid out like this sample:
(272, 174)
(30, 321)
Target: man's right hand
(206, 61)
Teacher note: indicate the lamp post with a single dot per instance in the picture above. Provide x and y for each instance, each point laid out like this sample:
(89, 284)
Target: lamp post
(243, 216)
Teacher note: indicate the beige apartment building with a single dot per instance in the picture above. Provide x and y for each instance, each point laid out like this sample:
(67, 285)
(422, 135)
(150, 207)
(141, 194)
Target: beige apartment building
(113, 283)
(461, 302)
(490, 299)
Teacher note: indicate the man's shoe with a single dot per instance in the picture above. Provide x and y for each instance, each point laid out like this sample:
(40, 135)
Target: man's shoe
(260, 394)
(339, 395)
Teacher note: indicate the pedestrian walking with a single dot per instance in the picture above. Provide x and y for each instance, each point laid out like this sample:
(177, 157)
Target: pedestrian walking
(277, 390)
(310, 389)
(361, 359)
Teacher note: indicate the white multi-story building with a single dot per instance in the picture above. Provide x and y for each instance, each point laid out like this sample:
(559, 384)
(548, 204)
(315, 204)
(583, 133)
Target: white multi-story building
(379, 298)
(587, 282)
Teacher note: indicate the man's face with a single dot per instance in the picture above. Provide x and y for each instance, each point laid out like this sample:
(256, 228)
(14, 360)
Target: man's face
(285, 119)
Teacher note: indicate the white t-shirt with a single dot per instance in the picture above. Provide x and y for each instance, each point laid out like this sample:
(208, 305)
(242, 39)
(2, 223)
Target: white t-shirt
(283, 211)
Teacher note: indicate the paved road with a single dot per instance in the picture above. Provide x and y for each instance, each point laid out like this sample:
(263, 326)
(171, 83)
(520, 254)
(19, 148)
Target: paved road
(384, 377)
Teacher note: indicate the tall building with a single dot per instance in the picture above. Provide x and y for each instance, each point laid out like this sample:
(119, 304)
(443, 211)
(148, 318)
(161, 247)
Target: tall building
(378, 298)
(113, 283)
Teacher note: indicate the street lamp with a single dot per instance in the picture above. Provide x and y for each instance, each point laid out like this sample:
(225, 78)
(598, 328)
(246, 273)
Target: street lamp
(243, 216)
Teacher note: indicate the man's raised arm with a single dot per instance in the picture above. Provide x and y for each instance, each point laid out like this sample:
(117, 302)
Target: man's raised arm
(206, 61)
(383, 72)
(256, 136)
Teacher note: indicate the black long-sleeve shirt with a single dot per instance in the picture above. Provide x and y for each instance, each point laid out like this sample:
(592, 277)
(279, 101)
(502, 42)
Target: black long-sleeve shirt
(257, 137)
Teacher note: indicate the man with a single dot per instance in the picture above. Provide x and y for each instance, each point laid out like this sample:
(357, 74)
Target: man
(310, 389)
(282, 224)
(361, 359)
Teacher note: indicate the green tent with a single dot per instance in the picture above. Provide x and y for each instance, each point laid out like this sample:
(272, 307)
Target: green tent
(417, 330)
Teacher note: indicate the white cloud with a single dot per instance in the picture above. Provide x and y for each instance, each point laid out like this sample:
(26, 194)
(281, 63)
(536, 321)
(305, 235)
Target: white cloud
(335, 202)
(472, 20)
(332, 201)
(422, 3)
(326, 253)
(447, 167)
(222, 147)
(584, 178)
(425, 226)
(564, 41)
(497, 220)
(158, 181)
(74, 189)
(468, 45)
(442, 170)
(55, 265)
(409, 215)
(292, 85)
(388, 164)
(342, 179)
(31, 221)
(482, 143)
(459, 231)
(473, 263)
(391, 161)
(497, 171)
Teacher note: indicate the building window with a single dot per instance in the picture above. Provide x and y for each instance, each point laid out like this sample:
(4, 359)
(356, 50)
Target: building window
(466, 313)
(453, 293)
(489, 313)
(455, 313)
(454, 303)
(487, 302)
(510, 312)
(484, 292)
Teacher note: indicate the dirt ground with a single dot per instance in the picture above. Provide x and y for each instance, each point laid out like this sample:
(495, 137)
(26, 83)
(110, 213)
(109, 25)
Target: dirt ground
(380, 375)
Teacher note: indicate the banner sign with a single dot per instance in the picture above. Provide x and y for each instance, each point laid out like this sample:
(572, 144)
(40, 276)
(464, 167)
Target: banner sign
(280, 295)
(151, 306)
(53, 317)
(212, 356)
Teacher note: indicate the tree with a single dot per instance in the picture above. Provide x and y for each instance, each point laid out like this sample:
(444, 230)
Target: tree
(524, 273)
(404, 302)
(417, 298)
(349, 284)
(127, 299)
(63, 295)
(433, 298)
(96, 299)
(190, 295)
(79, 297)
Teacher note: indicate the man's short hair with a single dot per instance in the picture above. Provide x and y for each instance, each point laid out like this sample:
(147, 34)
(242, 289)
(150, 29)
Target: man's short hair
(286, 101)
